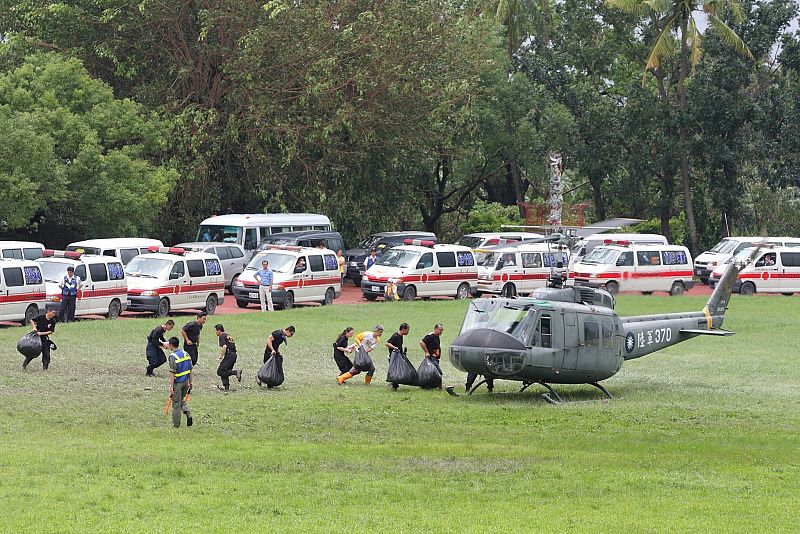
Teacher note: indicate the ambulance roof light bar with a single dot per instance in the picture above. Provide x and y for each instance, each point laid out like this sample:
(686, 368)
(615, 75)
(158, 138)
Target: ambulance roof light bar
(621, 243)
(68, 254)
(167, 250)
(285, 247)
(419, 242)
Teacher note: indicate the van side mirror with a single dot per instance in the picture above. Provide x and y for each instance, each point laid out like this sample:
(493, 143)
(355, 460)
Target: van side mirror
(500, 264)
(174, 275)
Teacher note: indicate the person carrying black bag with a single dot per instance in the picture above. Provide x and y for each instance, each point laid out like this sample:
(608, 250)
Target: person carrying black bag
(274, 342)
(227, 358)
(343, 347)
(43, 325)
(396, 343)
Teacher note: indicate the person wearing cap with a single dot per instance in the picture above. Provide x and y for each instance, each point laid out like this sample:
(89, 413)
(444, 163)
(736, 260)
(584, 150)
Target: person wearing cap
(369, 340)
(191, 336)
(227, 358)
(264, 276)
(155, 342)
(70, 285)
(180, 382)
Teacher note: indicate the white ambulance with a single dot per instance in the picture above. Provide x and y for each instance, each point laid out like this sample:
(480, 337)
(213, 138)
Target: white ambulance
(645, 268)
(586, 244)
(422, 268)
(300, 274)
(773, 270)
(124, 248)
(104, 290)
(490, 239)
(730, 247)
(22, 290)
(21, 250)
(520, 268)
(168, 279)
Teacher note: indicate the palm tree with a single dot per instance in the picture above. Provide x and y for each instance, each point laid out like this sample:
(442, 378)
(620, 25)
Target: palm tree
(674, 21)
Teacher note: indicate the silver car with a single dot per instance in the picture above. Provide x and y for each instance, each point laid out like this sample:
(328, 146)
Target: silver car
(231, 256)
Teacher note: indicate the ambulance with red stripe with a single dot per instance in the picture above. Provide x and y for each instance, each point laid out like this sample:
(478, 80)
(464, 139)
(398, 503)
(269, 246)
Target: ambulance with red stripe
(170, 278)
(773, 270)
(521, 268)
(300, 274)
(422, 268)
(22, 290)
(629, 267)
(104, 288)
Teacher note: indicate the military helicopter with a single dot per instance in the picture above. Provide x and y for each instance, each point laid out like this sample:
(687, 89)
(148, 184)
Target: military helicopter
(572, 335)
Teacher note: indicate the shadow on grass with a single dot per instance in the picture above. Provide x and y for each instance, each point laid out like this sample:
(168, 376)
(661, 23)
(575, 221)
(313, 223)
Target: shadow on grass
(569, 392)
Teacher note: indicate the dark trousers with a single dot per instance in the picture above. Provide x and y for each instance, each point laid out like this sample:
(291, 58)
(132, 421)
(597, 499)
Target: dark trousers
(155, 357)
(67, 312)
(342, 362)
(45, 354)
(191, 350)
(267, 354)
(471, 377)
(225, 369)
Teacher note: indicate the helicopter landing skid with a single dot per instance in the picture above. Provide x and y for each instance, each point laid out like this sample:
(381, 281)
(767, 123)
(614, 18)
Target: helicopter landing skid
(476, 386)
(546, 396)
(603, 389)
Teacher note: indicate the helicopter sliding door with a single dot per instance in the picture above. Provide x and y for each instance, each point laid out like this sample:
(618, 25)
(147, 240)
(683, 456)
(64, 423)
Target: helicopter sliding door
(571, 340)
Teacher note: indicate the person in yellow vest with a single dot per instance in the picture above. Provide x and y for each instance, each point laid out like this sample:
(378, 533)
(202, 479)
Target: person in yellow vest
(390, 293)
(180, 382)
(369, 340)
(341, 262)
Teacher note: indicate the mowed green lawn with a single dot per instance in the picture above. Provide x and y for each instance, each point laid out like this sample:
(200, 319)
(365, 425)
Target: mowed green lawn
(703, 436)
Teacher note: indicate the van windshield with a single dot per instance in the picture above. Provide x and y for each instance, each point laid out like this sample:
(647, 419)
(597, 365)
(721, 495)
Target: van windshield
(370, 242)
(277, 241)
(279, 263)
(486, 259)
(601, 256)
(725, 246)
(398, 258)
(217, 233)
(148, 267)
(470, 241)
(53, 270)
(89, 251)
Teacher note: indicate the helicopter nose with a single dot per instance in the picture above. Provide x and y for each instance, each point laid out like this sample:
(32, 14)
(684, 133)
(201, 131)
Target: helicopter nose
(484, 350)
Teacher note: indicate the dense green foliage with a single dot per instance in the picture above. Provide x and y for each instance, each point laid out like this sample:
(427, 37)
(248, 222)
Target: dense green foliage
(406, 114)
(702, 437)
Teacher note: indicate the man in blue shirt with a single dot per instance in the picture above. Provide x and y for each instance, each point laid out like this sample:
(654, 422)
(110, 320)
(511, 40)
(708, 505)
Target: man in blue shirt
(264, 277)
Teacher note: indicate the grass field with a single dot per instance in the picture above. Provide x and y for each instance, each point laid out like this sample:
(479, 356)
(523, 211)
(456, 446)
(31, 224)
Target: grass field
(703, 436)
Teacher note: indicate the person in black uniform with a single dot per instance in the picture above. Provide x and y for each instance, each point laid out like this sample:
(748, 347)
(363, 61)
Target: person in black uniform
(471, 377)
(396, 343)
(155, 342)
(227, 358)
(274, 342)
(432, 346)
(191, 336)
(342, 347)
(43, 325)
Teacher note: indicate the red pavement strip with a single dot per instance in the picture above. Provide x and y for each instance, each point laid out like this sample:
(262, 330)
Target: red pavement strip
(350, 295)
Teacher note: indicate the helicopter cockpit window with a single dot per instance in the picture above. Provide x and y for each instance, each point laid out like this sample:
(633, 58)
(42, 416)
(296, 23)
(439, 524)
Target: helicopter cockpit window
(531, 260)
(517, 322)
(625, 259)
(543, 335)
(608, 335)
(478, 315)
(591, 334)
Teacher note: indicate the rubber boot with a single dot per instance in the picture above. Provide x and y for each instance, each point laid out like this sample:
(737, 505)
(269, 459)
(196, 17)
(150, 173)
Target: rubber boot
(344, 378)
(367, 379)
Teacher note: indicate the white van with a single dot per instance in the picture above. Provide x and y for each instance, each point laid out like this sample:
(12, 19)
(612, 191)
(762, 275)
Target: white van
(249, 230)
(520, 268)
(644, 268)
(104, 291)
(422, 268)
(21, 250)
(22, 290)
(773, 270)
(730, 247)
(232, 257)
(124, 248)
(168, 279)
(300, 274)
(587, 244)
(490, 239)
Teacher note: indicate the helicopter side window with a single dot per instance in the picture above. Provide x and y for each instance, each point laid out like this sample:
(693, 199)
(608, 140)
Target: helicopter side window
(544, 331)
(531, 260)
(625, 259)
(591, 334)
(608, 335)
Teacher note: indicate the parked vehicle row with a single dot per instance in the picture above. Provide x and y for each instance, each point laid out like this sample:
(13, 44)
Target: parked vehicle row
(773, 270)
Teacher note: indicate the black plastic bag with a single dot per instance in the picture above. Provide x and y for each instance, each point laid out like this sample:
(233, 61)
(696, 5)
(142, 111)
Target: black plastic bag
(428, 374)
(400, 370)
(362, 361)
(30, 345)
(271, 373)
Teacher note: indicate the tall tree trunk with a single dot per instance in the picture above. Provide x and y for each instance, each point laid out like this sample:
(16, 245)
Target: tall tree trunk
(599, 206)
(665, 209)
(556, 191)
(682, 135)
